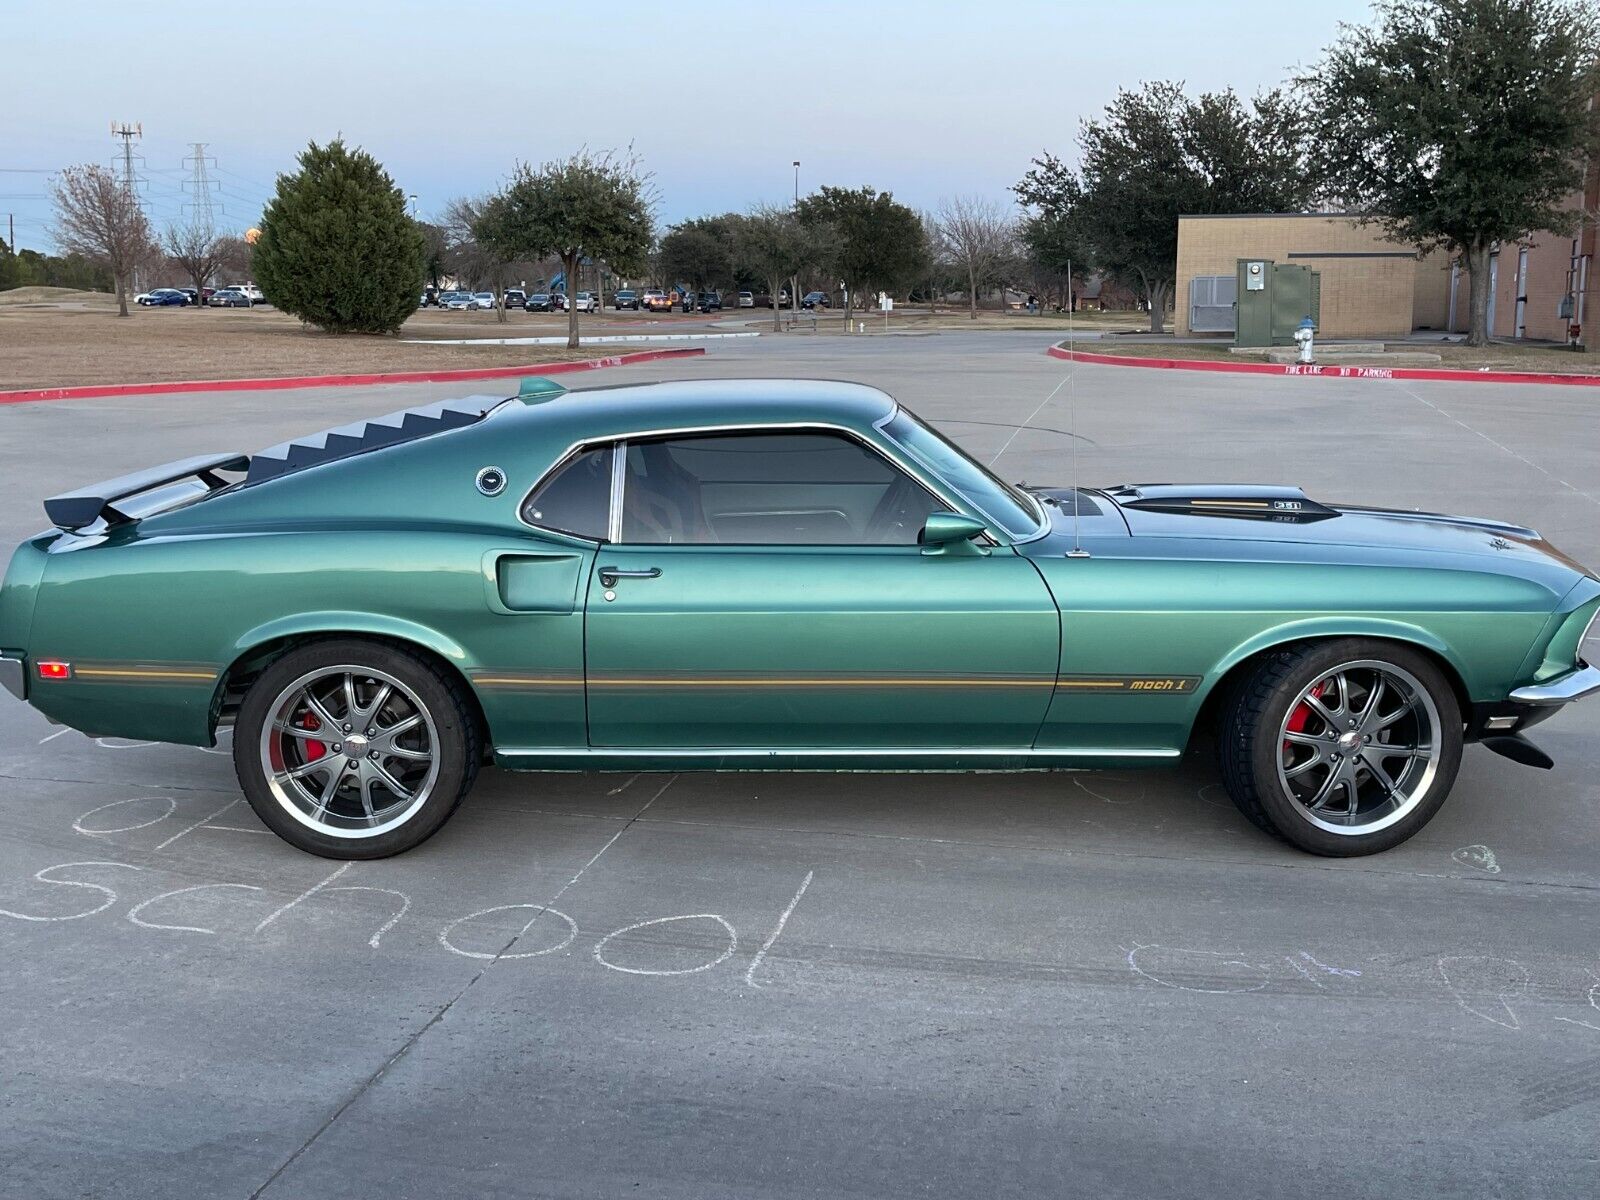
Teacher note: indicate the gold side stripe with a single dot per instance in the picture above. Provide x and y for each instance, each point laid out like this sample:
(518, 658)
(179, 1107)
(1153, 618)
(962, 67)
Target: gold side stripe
(764, 683)
(108, 673)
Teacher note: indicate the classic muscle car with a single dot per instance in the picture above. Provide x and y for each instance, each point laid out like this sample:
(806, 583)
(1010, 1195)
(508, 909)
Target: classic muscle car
(771, 575)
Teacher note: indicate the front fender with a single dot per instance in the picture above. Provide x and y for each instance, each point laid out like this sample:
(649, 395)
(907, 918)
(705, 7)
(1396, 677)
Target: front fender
(1319, 628)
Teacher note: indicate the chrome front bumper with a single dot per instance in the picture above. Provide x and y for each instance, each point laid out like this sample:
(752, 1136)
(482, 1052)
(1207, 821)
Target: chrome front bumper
(13, 676)
(1574, 685)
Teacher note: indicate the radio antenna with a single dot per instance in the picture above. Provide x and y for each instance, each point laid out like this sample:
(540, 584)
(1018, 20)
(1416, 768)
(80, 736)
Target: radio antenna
(1077, 550)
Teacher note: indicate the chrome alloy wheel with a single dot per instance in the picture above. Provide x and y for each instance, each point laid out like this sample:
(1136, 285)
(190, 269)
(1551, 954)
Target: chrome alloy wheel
(1359, 748)
(349, 751)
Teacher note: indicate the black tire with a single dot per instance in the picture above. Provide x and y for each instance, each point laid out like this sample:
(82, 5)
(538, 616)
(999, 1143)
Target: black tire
(1250, 751)
(457, 746)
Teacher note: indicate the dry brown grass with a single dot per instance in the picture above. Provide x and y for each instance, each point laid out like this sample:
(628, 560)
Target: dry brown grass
(1544, 359)
(77, 338)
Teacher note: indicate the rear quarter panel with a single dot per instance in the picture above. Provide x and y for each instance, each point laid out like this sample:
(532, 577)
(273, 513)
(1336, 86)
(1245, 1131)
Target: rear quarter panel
(151, 625)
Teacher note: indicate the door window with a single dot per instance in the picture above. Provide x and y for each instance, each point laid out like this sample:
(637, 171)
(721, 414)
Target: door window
(766, 489)
(576, 498)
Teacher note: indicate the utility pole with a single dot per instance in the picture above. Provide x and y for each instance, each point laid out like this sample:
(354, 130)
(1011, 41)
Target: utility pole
(200, 186)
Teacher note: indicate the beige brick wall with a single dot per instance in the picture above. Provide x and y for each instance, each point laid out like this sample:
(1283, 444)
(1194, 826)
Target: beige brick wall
(1361, 296)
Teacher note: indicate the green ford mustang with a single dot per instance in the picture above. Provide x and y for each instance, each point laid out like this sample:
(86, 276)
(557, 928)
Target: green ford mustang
(771, 575)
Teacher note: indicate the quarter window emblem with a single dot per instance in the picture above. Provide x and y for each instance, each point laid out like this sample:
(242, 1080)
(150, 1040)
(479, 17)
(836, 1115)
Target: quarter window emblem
(491, 481)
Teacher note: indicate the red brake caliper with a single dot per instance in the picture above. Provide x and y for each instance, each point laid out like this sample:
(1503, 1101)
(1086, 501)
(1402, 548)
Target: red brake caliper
(1300, 715)
(313, 750)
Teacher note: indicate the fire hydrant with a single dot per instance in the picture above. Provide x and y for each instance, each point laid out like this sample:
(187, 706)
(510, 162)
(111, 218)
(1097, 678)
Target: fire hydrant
(1305, 337)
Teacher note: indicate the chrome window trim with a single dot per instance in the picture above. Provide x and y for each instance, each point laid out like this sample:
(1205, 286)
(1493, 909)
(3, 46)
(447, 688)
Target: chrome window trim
(1040, 515)
(955, 501)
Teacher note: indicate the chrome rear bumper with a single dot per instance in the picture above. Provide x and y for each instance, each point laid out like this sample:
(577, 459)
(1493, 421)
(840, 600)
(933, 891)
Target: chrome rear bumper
(13, 677)
(1575, 685)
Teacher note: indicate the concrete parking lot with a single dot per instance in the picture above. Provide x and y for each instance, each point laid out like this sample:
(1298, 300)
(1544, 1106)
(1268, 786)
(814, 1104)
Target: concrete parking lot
(719, 986)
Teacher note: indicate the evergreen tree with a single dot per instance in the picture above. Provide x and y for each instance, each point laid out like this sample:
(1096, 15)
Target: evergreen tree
(337, 248)
(1461, 123)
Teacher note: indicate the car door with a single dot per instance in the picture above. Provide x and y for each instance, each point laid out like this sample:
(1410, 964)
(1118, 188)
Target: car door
(766, 589)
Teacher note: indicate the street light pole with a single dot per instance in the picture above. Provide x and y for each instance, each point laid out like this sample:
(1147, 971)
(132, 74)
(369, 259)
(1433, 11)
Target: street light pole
(797, 181)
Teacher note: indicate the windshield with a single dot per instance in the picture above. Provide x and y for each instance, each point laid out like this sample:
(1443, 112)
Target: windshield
(1013, 511)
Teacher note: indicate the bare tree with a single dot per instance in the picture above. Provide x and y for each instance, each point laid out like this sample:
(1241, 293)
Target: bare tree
(99, 218)
(472, 251)
(197, 251)
(978, 234)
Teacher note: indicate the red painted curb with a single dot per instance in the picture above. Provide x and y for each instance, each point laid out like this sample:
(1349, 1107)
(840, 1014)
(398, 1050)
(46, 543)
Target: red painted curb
(1281, 369)
(302, 381)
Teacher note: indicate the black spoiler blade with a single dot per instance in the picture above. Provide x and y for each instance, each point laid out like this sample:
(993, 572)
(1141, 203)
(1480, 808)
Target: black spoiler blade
(74, 510)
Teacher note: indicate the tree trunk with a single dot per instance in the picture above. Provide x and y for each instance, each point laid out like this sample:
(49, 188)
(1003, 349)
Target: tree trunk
(122, 295)
(500, 308)
(776, 286)
(972, 290)
(1476, 258)
(569, 264)
(849, 298)
(1156, 294)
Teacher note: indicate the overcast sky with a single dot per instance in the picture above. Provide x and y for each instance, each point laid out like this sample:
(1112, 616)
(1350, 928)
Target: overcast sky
(924, 99)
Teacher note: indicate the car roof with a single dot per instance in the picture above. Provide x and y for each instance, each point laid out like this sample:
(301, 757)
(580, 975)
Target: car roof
(595, 413)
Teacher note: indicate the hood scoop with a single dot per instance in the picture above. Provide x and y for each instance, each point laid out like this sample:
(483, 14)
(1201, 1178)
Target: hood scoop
(358, 438)
(1251, 502)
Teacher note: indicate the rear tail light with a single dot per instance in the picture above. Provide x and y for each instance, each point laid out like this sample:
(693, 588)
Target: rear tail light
(55, 670)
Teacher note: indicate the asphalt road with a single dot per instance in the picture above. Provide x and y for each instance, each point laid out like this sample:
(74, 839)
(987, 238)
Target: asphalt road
(859, 985)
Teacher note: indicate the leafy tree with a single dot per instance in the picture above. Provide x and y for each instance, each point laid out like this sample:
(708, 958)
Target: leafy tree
(1057, 253)
(876, 243)
(774, 246)
(337, 248)
(437, 246)
(699, 251)
(99, 218)
(587, 206)
(1460, 123)
(196, 250)
(1156, 153)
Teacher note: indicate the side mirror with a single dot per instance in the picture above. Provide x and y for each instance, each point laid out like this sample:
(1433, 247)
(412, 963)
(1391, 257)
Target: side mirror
(953, 533)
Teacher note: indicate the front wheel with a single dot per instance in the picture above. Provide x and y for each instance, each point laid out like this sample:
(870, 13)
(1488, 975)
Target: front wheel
(354, 749)
(1344, 747)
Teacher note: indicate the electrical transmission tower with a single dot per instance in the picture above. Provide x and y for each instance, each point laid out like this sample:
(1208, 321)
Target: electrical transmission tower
(202, 204)
(129, 134)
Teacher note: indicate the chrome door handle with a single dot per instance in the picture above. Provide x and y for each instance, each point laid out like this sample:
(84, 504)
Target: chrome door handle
(609, 575)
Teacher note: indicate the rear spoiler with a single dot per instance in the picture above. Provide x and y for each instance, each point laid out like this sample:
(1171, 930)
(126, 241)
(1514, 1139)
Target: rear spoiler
(73, 510)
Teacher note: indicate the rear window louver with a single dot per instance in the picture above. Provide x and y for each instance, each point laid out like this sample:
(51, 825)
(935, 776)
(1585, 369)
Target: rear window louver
(362, 436)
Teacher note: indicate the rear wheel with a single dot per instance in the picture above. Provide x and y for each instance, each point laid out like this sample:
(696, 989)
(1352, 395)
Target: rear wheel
(355, 749)
(1342, 748)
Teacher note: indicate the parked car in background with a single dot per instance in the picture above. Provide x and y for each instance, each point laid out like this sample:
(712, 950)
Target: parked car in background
(627, 298)
(456, 301)
(514, 298)
(585, 302)
(815, 300)
(748, 300)
(757, 300)
(483, 301)
(686, 301)
(250, 292)
(229, 298)
(558, 301)
(430, 295)
(655, 300)
(163, 298)
(538, 302)
(710, 302)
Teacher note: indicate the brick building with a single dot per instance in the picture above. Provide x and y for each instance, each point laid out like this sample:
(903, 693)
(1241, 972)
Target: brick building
(1544, 283)
(1371, 287)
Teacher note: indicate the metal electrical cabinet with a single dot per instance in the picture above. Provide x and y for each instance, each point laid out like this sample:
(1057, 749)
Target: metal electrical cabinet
(1273, 299)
